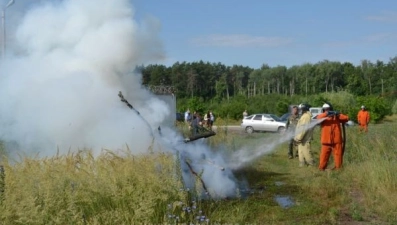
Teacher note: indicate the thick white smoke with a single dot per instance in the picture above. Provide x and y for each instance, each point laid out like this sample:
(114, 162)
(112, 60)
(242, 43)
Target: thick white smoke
(60, 80)
(59, 86)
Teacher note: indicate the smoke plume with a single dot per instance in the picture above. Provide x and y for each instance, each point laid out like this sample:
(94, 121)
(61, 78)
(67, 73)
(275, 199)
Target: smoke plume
(59, 84)
(66, 62)
(65, 65)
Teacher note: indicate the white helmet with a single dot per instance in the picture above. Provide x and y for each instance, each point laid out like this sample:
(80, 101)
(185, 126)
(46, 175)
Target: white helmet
(363, 107)
(326, 105)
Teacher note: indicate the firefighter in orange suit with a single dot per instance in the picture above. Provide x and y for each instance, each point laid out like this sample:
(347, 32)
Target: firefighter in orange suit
(331, 136)
(363, 119)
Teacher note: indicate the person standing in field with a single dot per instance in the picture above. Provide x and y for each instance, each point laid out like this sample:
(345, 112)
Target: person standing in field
(206, 119)
(245, 114)
(363, 118)
(304, 135)
(331, 136)
(212, 119)
(290, 126)
(187, 115)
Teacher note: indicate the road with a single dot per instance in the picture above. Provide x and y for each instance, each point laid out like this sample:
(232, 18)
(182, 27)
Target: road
(234, 128)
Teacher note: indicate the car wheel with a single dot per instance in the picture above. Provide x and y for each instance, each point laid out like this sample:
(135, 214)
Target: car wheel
(249, 130)
(281, 130)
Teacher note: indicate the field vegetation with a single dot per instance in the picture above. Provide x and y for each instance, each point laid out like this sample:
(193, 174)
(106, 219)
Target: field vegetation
(80, 189)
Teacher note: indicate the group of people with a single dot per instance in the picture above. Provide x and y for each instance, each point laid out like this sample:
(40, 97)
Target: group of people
(195, 121)
(331, 134)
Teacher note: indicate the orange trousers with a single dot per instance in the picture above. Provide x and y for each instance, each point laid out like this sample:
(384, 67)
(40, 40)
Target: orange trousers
(363, 127)
(326, 150)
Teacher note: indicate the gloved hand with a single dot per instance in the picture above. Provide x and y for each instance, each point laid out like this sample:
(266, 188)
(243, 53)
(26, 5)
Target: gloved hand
(333, 113)
(330, 113)
(297, 141)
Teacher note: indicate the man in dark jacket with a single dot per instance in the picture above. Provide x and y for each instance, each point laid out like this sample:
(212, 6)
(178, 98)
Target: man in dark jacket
(291, 126)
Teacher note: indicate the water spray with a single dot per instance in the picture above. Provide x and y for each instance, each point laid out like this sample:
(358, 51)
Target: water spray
(243, 156)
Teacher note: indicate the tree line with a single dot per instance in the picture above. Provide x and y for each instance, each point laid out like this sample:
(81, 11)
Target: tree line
(229, 90)
(215, 80)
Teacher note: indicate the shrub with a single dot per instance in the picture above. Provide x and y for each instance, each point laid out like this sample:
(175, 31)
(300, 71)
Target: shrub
(342, 101)
(377, 106)
(394, 108)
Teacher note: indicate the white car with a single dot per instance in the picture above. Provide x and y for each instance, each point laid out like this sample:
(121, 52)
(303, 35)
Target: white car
(315, 111)
(262, 122)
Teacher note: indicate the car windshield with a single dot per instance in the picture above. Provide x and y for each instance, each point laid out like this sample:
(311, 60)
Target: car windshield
(276, 118)
(249, 117)
(285, 117)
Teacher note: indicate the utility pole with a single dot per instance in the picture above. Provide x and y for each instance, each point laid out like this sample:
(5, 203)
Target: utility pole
(3, 22)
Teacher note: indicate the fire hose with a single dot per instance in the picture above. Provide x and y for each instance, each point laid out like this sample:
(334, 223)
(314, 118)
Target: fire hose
(343, 138)
(336, 113)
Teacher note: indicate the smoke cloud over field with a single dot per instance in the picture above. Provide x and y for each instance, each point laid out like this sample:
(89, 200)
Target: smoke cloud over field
(59, 84)
(65, 65)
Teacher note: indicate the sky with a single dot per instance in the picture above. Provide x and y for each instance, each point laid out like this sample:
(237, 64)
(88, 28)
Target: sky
(285, 32)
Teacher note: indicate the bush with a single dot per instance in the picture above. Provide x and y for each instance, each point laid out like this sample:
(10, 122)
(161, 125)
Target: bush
(342, 101)
(394, 109)
(196, 104)
(378, 107)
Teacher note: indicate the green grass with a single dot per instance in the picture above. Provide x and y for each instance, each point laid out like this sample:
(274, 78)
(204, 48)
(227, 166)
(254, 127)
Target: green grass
(80, 189)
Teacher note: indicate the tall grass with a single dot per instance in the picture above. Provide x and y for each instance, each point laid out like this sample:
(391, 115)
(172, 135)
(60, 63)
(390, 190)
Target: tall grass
(373, 159)
(81, 189)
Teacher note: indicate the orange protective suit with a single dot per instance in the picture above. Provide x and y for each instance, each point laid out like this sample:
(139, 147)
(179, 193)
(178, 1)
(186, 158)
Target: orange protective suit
(363, 120)
(331, 139)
